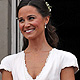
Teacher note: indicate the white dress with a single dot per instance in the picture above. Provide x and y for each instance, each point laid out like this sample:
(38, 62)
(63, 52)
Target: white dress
(56, 61)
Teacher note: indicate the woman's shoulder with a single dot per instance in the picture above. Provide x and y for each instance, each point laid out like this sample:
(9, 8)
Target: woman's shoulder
(66, 59)
(9, 61)
(12, 57)
(63, 53)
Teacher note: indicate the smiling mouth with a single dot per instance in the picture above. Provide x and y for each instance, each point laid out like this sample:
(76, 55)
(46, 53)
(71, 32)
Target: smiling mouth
(30, 30)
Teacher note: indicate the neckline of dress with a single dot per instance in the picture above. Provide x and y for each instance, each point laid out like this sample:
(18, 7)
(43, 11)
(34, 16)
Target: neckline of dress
(26, 71)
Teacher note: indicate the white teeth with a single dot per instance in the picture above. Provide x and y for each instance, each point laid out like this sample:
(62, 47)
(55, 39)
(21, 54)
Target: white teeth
(29, 30)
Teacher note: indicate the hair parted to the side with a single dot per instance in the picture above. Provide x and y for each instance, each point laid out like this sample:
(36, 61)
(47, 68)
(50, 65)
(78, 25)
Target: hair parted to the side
(42, 8)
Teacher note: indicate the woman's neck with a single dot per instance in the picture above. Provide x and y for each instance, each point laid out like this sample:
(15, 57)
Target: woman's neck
(38, 44)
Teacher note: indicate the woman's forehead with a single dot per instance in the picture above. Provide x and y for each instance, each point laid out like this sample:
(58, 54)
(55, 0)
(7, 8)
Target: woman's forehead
(28, 10)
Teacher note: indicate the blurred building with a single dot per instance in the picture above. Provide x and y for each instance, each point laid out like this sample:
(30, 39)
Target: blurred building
(9, 43)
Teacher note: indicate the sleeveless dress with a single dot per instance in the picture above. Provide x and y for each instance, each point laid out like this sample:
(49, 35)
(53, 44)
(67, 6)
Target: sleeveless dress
(56, 61)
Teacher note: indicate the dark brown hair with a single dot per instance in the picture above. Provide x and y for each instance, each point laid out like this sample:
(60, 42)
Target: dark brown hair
(42, 8)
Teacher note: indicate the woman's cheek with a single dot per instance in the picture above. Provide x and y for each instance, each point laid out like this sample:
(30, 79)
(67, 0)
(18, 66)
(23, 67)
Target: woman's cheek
(36, 23)
(20, 26)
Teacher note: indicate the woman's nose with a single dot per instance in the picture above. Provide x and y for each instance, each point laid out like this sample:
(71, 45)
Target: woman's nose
(27, 24)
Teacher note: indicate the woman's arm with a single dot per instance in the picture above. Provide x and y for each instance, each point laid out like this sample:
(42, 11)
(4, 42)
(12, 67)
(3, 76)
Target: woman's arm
(6, 75)
(67, 74)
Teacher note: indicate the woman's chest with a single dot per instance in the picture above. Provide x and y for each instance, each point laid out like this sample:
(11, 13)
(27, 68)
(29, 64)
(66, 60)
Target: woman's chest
(35, 64)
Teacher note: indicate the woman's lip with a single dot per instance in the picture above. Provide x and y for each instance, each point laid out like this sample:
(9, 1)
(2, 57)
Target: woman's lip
(29, 30)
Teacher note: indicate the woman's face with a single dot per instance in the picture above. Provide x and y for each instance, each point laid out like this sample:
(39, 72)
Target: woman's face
(31, 23)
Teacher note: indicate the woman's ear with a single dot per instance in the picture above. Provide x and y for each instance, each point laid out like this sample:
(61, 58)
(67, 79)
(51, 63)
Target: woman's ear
(47, 19)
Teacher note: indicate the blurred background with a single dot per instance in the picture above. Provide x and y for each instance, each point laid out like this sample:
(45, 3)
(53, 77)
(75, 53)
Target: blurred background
(65, 17)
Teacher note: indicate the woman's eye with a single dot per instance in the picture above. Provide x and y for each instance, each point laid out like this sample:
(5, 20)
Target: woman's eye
(31, 18)
(21, 20)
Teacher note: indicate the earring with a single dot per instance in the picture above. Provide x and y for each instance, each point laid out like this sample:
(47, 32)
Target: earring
(45, 25)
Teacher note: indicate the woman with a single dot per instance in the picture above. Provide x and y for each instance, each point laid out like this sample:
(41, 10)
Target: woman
(39, 60)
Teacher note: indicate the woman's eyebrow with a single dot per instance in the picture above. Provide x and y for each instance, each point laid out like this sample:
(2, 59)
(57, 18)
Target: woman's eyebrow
(31, 16)
(27, 16)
